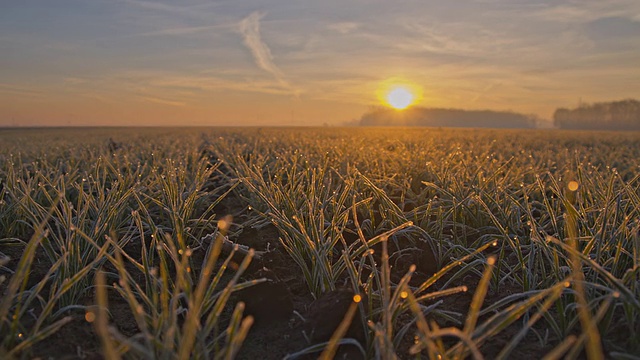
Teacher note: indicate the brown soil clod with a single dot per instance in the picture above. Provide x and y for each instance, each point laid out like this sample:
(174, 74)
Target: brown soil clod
(327, 312)
(267, 302)
(425, 259)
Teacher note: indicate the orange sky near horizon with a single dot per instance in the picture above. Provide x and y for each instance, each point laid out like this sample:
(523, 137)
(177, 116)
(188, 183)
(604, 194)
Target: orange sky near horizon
(144, 62)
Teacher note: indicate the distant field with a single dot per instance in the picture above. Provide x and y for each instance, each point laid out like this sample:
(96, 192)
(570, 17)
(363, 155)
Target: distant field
(368, 243)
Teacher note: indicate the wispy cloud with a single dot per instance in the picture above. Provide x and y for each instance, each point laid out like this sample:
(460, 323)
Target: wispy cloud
(10, 89)
(460, 39)
(344, 27)
(484, 91)
(192, 85)
(590, 10)
(250, 30)
(186, 30)
(157, 6)
(186, 87)
(163, 101)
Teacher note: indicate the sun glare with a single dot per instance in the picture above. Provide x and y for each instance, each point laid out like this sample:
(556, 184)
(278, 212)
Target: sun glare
(399, 93)
(400, 98)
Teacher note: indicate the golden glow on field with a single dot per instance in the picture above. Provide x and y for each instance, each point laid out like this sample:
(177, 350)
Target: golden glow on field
(399, 93)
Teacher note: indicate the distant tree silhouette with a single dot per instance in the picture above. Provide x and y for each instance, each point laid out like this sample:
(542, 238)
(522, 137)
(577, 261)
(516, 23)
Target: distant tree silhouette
(419, 116)
(616, 115)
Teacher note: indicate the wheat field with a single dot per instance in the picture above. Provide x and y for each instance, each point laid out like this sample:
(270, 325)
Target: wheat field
(380, 243)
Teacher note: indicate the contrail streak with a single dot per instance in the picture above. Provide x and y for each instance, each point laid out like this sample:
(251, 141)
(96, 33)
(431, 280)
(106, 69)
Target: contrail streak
(250, 30)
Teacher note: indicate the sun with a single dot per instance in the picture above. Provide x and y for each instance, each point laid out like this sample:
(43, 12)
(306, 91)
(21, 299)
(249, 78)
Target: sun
(400, 97)
(399, 93)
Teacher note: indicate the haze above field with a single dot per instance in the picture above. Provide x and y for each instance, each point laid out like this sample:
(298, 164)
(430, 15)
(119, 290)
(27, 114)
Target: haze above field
(245, 62)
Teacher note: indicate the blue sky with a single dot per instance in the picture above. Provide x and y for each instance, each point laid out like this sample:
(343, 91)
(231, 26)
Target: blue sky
(247, 62)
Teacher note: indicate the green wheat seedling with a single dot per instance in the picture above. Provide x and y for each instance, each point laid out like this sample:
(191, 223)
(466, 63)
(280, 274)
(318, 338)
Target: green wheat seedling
(179, 317)
(19, 331)
(311, 218)
(93, 205)
(473, 334)
(386, 300)
(176, 201)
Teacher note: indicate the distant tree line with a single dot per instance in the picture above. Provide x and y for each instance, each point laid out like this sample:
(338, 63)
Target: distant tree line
(419, 116)
(615, 115)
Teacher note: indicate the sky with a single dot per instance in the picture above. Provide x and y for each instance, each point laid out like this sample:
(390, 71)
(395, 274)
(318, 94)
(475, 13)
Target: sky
(306, 62)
